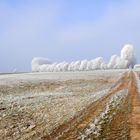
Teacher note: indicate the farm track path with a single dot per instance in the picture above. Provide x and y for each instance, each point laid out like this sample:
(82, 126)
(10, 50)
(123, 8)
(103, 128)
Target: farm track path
(71, 130)
(135, 115)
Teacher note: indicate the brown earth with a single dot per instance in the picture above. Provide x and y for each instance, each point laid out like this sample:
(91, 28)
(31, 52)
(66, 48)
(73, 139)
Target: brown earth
(135, 116)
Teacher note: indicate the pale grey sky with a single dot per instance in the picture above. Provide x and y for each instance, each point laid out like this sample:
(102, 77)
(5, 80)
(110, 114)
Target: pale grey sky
(65, 30)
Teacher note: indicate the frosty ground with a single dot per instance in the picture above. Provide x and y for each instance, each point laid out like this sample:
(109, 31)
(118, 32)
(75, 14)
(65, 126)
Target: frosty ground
(67, 105)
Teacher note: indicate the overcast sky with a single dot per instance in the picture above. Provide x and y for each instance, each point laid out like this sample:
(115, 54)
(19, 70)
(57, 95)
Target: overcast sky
(65, 30)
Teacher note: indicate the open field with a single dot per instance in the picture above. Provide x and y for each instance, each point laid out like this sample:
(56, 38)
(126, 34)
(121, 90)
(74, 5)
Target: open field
(70, 105)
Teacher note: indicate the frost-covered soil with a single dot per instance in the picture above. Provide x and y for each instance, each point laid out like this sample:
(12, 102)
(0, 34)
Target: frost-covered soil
(33, 105)
(138, 82)
(98, 128)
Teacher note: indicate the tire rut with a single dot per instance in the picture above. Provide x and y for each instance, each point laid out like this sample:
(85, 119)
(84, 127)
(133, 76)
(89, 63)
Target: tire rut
(72, 129)
(135, 114)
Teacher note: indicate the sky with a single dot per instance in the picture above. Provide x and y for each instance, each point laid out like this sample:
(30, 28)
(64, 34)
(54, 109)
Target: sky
(65, 30)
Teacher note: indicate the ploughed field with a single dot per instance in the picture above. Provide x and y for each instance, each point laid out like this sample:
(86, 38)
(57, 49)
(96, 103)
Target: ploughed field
(100, 105)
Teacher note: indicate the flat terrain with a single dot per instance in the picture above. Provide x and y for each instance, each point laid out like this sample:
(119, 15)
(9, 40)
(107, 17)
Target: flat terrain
(70, 106)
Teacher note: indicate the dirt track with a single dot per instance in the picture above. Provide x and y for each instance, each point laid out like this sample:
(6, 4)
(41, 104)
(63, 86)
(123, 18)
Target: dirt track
(71, 130)
(135, 115)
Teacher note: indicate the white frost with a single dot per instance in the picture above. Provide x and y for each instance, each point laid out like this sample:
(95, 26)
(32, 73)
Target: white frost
(95, 126)
(125, 60)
